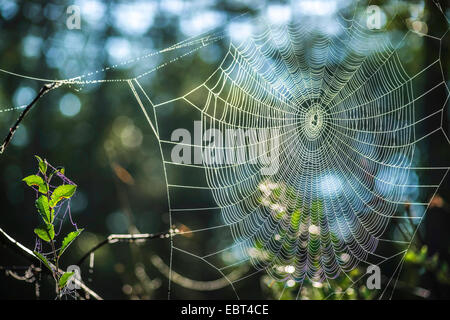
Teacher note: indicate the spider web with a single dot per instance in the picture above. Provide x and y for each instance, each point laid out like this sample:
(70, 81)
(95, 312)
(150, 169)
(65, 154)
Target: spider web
(340, 183)
(345, 114)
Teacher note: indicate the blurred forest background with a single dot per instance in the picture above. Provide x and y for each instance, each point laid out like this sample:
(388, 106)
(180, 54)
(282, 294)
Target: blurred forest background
(100, 136)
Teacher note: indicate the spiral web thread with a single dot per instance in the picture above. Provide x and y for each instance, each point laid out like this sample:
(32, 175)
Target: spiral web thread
(344, 111)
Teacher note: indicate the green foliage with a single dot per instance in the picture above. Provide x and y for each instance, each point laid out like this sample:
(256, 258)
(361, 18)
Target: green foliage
(44, 260)
(284, 204)
(46, 232)
(311, 290)
(46, 204)
(68, 240)
(419, 261)
(62, 192)
(60, 170)
(42, 165)
(64, 278)
(295, 220)
(44, 209)
(35, 180)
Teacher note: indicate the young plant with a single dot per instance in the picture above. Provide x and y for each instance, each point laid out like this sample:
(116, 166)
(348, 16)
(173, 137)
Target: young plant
(52, 204)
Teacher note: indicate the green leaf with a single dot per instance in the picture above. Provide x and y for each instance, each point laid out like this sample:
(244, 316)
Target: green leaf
(50, 176)
(44, 209)
(68, 240)
(64, 278)
(43, 259)
(35, 180)
(42, 165)
(46, 232)
(64, 191)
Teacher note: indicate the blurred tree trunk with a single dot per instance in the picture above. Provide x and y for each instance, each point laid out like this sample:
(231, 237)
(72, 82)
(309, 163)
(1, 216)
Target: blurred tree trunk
(437, 219)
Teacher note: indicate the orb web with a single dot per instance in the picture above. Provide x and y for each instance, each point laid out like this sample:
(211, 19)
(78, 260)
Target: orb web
(338, 112)
(324, 209)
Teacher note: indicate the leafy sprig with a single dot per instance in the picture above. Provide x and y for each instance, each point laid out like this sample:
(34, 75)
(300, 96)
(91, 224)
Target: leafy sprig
(49, 200)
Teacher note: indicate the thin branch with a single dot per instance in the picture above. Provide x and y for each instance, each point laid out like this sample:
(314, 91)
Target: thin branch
(46, 88)
(19, 268)
(185, 282)
(114, 238)
(30, 256)
(29, 274)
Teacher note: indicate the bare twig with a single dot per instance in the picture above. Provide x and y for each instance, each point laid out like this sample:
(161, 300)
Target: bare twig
(29, 273)
(197, 285)
(114, 238)
(46, 88)
(20, 268)
(30, 256)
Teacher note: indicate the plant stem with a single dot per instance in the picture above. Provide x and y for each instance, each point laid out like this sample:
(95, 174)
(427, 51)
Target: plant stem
(52, 242)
